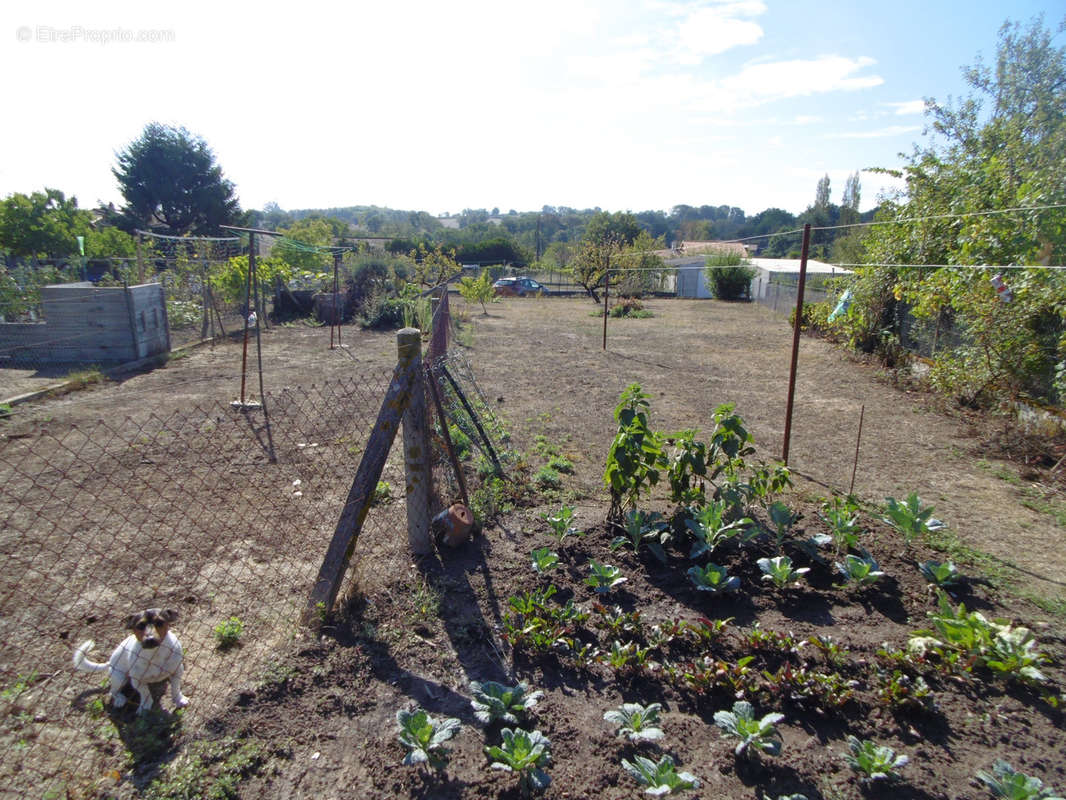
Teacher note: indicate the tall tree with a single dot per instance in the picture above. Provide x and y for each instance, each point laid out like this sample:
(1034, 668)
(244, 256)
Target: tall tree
(1002, 147)
(852, 193)
(41, 224)
(170, 180)
(821, 193)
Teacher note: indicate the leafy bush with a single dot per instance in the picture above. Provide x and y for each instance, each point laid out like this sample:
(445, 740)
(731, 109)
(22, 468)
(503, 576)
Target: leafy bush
(228, 633)
(547, 478)
(728, 275)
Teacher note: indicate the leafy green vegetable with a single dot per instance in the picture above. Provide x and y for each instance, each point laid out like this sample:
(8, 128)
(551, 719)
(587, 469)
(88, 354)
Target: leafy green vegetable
(841, 514)
(709, 527)
(940, 575)
(424, 736)
(860, 570)
(543, 559)
(872, 761)
(661, 777)
(560, 523)
(643, 529)
(740, 723)
(780, 571)
(783, 519)
(493, 701)
(910, 518)
(712, 578)
(524, 752)
(636, 722)
(603, 577)
(1004, 782)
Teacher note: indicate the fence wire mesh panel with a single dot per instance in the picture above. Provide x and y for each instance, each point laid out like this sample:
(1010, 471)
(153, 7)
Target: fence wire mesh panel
(217, 513)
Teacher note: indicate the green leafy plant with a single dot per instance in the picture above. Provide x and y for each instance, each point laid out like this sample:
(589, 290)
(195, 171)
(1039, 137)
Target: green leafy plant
(780, 571)
(228, 633)
(687, 469)
(783, 519)
(729, 275)
(859, 570)
(544, 559)
(635, 460)
(766, 482)
(710, 528)
(712, 578)
(841, 514)
(659, 777)
(643, 529)
(872, 761)
(523, 752)
(561, 523)
(424, 737)
(1004, 782)
(910, 517)
(603, 577)
(899, 690)
(547, 478)
(636, 722)
(941, 575)
(757, 734)
(970, 639)
(382, 494)
(493, 701)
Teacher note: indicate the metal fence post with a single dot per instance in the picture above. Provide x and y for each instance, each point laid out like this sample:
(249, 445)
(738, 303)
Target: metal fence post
(415, 444)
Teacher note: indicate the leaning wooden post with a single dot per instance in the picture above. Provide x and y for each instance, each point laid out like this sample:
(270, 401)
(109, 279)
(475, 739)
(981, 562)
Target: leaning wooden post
(797, 323)
(415, 444)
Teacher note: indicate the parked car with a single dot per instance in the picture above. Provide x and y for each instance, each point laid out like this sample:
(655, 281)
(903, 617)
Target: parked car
(518, 287)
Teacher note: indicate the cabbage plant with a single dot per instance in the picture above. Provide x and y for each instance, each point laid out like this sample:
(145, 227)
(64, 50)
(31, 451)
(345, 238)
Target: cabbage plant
(713, 578)
(940, 575)
(709, 527)
(493, 701)
(910, 517)
(642, 529)
(636, 722)
(872, 761)
(860, 570)
(780, 571)
(659, 777)
(1004, 782)
(603, 577)
(424, 737)
(740, 723)
(523, 752)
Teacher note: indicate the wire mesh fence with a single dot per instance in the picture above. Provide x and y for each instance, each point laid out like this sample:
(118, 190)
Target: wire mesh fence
(220, 514)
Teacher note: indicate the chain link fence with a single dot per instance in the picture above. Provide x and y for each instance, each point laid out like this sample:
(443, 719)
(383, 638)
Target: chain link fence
(222, 514)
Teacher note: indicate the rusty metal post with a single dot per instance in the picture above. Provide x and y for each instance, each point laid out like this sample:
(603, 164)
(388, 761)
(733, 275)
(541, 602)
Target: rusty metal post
(247, 310)
(606, 291)
(333, 312)
(796, 341)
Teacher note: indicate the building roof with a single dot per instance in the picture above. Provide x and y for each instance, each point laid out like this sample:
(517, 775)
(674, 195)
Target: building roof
(793, 265)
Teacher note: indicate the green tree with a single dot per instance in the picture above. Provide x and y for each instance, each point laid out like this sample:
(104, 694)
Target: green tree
(1001, 147)
(477, 290)
(170, 180)
(304, 245)
(644, 267)
(594, 257)
(41, 224)
(821, 193)
(108, 242)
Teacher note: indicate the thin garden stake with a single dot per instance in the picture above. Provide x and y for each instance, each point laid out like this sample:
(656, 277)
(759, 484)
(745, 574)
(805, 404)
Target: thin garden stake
(473, 418)
(858, 438)
(796, 340)
(606, 291)
(247, 310)
(254, 272)
(431, 379)
(333, 309)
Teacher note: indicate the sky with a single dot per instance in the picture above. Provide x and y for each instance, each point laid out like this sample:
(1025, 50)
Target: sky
(441, 106)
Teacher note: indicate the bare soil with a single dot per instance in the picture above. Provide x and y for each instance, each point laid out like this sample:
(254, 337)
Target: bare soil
(324, 713)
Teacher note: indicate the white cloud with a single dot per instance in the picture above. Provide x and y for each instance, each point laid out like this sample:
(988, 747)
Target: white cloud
(797, 78)
(907, 107)
(880, 133)
(806, 119)
(711, 30)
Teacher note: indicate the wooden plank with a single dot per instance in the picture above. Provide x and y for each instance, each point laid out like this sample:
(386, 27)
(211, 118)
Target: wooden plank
(339, 553)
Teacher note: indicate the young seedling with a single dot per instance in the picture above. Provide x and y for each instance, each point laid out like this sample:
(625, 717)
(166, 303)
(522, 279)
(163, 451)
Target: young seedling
(640, 529)
(424, 737)
(859, 570)
(780, 571)
(1004, 782)
(740, 723)
(636, 722)
(524, 752)
(841, 514)
(940, 575)
(910, 518)
(603, 577)
(783, 519)
(544, 559)
(872, 761)
(661, 777)
(493, 701)
(228, 633)
(709, 527)
(560, 523)
(713, 578)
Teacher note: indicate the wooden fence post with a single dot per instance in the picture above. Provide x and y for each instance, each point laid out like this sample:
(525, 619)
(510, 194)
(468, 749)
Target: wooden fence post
(415, 444)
